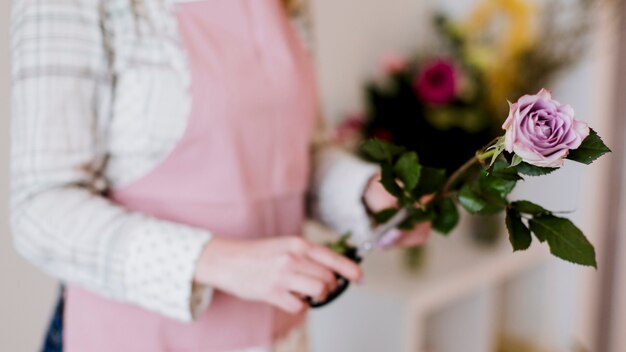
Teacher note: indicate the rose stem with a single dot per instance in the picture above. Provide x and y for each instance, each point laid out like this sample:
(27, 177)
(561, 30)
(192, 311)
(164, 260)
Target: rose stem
(452, 180)
(403, 213)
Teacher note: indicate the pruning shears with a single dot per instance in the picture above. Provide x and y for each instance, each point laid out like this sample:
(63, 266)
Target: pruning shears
(357, 254)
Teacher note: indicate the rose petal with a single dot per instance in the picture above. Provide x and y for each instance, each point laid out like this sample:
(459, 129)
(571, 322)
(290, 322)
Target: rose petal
(544, 93)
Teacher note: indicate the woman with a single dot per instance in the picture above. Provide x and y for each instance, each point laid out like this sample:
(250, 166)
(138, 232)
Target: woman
(162, 151)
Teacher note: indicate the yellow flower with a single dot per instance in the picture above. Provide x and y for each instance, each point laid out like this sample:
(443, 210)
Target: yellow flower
(498, 60)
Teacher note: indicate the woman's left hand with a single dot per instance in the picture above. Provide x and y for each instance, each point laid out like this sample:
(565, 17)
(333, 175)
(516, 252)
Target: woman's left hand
(376, 198)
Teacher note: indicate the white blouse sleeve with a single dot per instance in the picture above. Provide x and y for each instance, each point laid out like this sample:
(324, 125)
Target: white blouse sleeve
(62, 87)
(337, 185)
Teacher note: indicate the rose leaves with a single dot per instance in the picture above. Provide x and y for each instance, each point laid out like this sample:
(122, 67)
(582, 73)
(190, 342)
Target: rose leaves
(590, 149)
(404, 177)
(565, 240)
(483, 191)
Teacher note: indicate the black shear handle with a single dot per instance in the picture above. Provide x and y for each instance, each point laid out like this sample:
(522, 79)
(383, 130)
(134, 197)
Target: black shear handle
(342, 285)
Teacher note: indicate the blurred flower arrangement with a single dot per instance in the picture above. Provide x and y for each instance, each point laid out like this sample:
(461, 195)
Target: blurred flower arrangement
(447, 102)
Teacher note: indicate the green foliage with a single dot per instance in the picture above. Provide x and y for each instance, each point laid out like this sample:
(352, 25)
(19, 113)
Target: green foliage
(408, 170)
(591, 149)
(496, 186)
(470, 200)
(483, 190)
(446, 215)
(566, 241)
(498, 149)
(388, 179)
(384, 215)
(516, 160)
(380, 151)
(527, 169)
(507, 174)
(526, 207)
(430, 182)
(519, 234)
(341, 246)
(487, 194)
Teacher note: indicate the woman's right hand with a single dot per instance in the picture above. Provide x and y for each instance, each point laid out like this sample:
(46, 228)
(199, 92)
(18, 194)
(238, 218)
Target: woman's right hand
(279, 271)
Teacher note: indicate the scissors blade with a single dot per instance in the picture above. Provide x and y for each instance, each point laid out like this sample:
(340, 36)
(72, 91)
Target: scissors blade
(381, 230)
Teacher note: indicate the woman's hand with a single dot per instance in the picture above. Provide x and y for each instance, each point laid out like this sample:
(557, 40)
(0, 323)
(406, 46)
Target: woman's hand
(376, 198)
(279, 271)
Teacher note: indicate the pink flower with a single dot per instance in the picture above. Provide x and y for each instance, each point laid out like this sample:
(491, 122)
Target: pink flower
(436, 84)
(349, 128)
(393, 63)
(541, 131)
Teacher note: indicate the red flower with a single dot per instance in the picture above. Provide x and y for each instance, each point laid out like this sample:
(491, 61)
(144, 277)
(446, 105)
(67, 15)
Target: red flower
(436, 84)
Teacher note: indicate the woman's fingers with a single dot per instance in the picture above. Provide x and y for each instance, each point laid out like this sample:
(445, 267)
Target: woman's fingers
(416, 237)
(376, 196)
(317, 271)
(287, 302)
(335, 262)
(307, 286)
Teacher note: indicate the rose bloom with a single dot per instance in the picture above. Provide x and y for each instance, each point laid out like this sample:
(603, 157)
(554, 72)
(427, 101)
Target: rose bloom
(542, 131)
(436, 83)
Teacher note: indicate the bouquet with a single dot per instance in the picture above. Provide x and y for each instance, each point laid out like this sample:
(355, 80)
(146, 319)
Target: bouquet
(540, 134)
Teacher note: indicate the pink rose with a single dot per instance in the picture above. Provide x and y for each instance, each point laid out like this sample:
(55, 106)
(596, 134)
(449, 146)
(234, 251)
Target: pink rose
(541, 131)
(437, 82)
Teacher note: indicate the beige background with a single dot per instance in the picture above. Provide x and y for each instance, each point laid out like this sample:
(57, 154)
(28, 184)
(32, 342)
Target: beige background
(26, 295)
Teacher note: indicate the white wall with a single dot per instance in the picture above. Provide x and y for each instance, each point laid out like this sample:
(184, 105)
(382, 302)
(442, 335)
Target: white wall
(350, 38)
(26, 295)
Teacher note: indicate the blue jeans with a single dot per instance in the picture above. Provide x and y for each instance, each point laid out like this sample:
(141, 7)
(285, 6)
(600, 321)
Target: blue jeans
(53, 341)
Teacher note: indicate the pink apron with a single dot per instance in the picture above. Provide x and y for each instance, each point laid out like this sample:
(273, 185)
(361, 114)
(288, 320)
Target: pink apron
(240, 171)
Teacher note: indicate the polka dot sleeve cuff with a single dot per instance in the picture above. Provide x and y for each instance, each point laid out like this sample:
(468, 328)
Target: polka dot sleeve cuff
(159, 268)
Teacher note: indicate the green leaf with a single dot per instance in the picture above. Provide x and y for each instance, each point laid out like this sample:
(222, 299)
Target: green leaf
(502, 170)
(516, 160)
(380, 151)
(496, 186)
(408, 169)
(525, 168)
(416, 215)
(470, 200)
(388, 180)
(384, 215)
(526, 207)
(446, 215)
(498, 150)
(507, 174)
(421, 214)
(431, 181)
(591, 149)
(519, 234)
(341, 246)
(566, 241)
